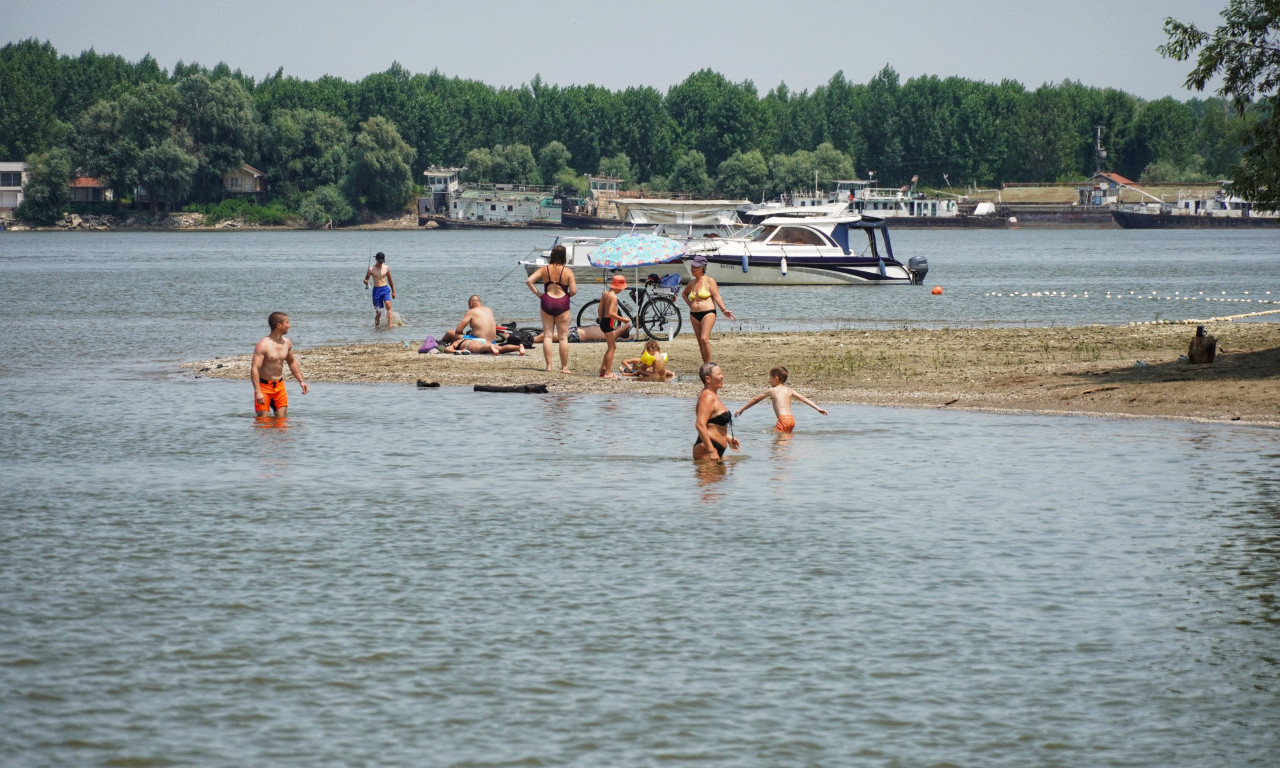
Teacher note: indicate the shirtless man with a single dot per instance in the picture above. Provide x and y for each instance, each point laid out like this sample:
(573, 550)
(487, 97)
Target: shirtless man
(384, 288)
(267, 370)
(476, 333)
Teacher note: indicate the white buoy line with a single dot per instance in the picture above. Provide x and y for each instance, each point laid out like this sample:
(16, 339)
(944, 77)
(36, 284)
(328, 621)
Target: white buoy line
(1155, 296)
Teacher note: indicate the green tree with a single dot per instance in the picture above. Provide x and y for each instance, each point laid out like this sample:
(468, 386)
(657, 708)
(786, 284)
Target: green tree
(304, 149)
(689, 176)
(1163, 130)
(1242, 51)
(743, 176)
(167, 170)
(552, 159)
(479, 166)
(514, 164)
(618, 167)
(715, 117)
(47, 193)
(791, 173)
(28, 98)
(380, 178)
(325, 207)
(222, 123)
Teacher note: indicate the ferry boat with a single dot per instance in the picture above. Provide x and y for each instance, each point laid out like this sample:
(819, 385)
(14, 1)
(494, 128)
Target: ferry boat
(1194, 211)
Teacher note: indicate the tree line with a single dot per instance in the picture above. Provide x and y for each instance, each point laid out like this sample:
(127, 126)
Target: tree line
(331, 148)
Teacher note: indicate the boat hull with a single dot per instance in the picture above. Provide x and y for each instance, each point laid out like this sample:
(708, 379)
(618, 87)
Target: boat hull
(1134, 220)
(819, 270)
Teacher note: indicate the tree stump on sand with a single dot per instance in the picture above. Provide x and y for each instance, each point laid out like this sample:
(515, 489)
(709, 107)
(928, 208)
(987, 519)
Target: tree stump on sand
(1203, 348)
(528, 389)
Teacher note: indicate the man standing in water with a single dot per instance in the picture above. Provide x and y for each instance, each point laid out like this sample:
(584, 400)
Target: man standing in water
(384, 288)
(267, 370)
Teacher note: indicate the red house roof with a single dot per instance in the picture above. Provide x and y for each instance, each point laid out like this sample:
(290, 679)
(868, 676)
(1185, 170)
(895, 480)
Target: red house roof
(88, 182)
(1117, 178)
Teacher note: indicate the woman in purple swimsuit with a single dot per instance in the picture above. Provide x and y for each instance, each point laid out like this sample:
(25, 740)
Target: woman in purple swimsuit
(558, 284)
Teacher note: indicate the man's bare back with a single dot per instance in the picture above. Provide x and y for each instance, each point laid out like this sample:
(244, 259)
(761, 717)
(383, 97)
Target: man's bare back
(379, 273)
(481, 323)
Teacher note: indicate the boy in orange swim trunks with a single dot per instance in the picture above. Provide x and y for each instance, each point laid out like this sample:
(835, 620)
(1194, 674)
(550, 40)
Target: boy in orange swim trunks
(267, 370)
(781, 395)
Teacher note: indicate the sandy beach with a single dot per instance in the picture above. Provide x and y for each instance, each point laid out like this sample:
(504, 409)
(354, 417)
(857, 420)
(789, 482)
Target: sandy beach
(1113, 371)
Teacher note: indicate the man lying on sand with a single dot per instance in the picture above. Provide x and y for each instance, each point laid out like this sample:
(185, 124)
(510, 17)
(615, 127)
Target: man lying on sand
(477, 332)
(582, 333)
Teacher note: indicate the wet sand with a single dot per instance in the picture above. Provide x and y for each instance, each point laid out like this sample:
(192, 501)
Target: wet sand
(1114, 371)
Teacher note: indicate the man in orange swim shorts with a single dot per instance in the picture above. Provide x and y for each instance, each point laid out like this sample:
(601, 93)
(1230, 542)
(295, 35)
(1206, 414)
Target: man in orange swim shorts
(781, 395)
(267, 370)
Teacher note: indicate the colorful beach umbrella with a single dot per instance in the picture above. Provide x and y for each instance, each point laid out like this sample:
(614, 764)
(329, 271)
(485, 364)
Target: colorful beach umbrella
(635, 250)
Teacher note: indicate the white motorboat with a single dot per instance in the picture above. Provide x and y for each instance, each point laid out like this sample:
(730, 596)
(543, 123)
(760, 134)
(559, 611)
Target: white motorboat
(832, 250)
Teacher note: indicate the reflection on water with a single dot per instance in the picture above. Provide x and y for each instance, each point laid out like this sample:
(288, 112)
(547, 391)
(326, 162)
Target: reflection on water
(485, 579)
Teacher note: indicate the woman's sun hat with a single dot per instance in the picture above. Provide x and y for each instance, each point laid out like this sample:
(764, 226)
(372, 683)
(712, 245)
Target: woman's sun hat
(699, 261)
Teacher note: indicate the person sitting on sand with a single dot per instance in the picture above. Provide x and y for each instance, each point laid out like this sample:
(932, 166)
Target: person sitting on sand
(650, 366)
(476, 333)
(781, 395)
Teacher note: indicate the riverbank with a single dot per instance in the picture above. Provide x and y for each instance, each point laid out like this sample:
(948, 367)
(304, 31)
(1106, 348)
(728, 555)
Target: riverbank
(1126, 371)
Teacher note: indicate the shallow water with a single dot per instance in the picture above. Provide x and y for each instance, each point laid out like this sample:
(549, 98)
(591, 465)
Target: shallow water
(440, 577)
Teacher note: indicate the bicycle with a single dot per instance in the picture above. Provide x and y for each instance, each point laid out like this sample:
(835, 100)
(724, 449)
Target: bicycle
(645, 307)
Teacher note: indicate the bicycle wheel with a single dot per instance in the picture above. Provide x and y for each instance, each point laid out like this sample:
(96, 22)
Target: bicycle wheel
(660, 319)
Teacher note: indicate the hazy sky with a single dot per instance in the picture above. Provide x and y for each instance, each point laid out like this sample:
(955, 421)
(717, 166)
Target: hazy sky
(645, 42)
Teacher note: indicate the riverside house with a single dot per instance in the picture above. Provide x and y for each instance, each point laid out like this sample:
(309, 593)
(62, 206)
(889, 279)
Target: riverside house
(13, 177)
(245, 180)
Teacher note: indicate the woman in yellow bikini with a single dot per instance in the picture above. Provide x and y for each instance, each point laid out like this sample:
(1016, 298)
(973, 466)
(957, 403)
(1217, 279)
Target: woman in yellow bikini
(703, 296)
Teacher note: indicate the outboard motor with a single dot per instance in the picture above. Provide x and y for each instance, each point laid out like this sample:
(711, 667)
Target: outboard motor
(917, 267)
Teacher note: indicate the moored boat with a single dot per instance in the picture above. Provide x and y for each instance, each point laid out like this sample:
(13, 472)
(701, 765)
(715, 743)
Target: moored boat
(830, 250)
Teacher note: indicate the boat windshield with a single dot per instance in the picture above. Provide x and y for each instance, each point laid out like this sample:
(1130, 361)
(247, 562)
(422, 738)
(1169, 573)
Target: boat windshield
(762, 234)
(797, 236)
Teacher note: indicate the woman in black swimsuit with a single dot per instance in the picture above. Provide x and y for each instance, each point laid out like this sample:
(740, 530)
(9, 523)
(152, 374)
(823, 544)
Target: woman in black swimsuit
(713, 418)
(558, 284)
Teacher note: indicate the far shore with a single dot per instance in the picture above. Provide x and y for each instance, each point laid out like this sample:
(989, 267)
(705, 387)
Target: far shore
(1108, 371)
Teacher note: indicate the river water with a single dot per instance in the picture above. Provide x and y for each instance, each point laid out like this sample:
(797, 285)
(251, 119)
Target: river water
(397, 577)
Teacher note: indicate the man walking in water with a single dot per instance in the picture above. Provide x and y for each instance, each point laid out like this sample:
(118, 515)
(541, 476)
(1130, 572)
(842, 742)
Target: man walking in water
(384, 288)
(267, 370)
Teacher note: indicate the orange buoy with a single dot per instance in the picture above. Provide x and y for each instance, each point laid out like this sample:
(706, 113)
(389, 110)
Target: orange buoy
(937, 290)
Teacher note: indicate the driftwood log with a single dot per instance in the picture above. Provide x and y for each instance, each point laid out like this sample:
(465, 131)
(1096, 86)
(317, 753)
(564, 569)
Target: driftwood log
(528, 389)
(1203, 348)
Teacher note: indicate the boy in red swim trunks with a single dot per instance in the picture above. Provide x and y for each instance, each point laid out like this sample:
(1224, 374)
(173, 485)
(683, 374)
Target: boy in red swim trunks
(781, 395)
(267, 370)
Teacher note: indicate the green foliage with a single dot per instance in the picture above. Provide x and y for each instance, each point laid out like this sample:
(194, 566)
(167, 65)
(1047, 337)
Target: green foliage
(380, 177)
(504, 164)
(618, 167)
(324, 207)
(243, 209)
(552, 159)
(743, 176)
(114, 115)
(47, 194)
(222, 123)
(571, 183)
(304, 149)
(1168, 171)
(690, 175)
(1243, 52)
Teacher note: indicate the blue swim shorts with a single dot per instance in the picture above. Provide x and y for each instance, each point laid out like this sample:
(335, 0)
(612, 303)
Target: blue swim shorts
(381, 295)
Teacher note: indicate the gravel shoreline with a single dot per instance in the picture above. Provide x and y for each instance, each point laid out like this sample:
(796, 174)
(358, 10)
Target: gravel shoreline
(1113, 371)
